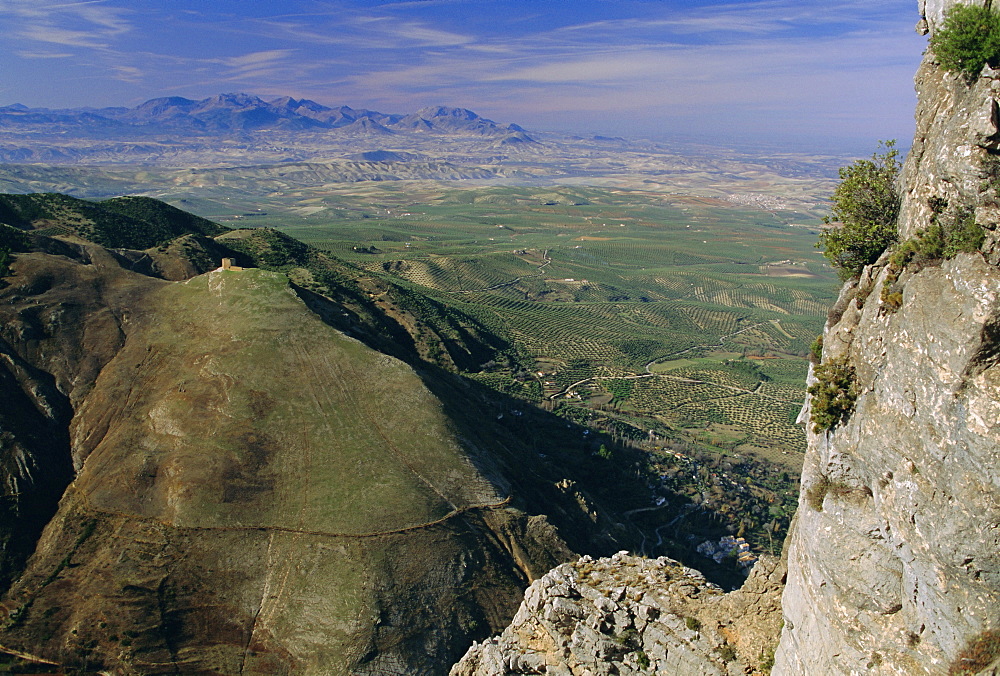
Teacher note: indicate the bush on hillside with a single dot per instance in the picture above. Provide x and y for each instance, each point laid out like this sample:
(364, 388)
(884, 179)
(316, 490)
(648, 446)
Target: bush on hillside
(968, 39)
(865, 204)
(949, 234)
(833, 395)
(11, 240)
(941, 241)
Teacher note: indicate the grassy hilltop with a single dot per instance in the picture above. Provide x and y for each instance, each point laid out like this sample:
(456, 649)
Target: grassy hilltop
(252, 488)
(265, 477)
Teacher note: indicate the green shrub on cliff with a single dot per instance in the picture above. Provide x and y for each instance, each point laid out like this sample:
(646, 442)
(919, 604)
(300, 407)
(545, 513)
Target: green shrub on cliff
(833, 395)
(941, 241)
(967, 40)
(865, 204)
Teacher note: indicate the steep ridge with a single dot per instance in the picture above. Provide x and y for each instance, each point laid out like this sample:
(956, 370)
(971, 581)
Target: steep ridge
(62, 320)
(210, 525)
(250, 489)
(894, 559)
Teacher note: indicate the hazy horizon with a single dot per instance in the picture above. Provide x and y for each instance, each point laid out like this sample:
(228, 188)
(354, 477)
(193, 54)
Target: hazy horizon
(775, 72)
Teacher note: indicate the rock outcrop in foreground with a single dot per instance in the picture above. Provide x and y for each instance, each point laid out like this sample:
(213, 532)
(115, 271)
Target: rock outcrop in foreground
(630, 615)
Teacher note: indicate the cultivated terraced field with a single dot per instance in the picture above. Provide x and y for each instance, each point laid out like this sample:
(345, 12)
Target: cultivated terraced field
(709, 307)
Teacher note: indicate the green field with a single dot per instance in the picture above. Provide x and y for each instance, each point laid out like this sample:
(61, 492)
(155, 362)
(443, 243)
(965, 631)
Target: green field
(706, 309)
(678, 325)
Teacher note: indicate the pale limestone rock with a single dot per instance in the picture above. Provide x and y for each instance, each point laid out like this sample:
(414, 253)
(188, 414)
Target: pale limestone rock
(629, 615)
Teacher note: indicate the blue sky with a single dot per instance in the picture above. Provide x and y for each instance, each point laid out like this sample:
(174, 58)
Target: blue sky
(780, 71)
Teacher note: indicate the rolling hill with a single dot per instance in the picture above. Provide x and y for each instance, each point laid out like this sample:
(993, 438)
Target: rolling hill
(209, 476)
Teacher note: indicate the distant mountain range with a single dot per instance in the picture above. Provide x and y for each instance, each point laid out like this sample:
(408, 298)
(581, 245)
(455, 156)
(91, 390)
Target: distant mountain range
(244, 112)
(233, 129)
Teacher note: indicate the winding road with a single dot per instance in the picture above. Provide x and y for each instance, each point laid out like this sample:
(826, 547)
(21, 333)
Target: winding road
(692, 381)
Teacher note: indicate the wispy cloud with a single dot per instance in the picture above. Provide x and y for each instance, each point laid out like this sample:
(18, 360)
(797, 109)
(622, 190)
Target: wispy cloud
(44, 55)
(662, 59)
(128, 74)
(366, 31)
(92, 24)
(62, 36)
(256, 61)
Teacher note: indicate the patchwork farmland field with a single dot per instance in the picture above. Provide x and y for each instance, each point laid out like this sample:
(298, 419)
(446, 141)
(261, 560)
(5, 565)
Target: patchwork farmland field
(704, 307)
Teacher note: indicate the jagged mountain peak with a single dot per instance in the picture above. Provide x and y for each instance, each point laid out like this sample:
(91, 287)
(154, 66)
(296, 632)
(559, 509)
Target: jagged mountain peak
(244, 112)
(239, 100)
(432, 112)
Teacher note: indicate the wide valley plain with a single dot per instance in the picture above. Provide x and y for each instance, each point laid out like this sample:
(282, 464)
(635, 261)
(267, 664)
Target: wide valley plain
(665, 300)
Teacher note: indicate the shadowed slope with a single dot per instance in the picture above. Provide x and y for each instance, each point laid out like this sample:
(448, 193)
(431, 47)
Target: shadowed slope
(259, 493)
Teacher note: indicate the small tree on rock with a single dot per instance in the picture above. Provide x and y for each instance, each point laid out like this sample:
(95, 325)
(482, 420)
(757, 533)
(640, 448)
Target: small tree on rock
(968, 38)
(865, 204)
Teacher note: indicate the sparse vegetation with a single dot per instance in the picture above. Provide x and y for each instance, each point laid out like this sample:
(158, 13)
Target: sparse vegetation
(942, 240)
(726, 652)
(967, 40)
(161, 216)
(767, 662)
(131, 223)
(823, 486)
(5, 258)
(979, 653)
(816, 350)
(692, 623)
(948, 235)
(865, 208)
(642, 659)
(833, 396)
(11, 240)
(626, 638)
(816, 493)
(891, 296)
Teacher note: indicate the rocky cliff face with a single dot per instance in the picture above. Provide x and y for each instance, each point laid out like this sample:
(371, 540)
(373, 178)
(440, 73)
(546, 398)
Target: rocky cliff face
(894, 559)
(629, 615)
